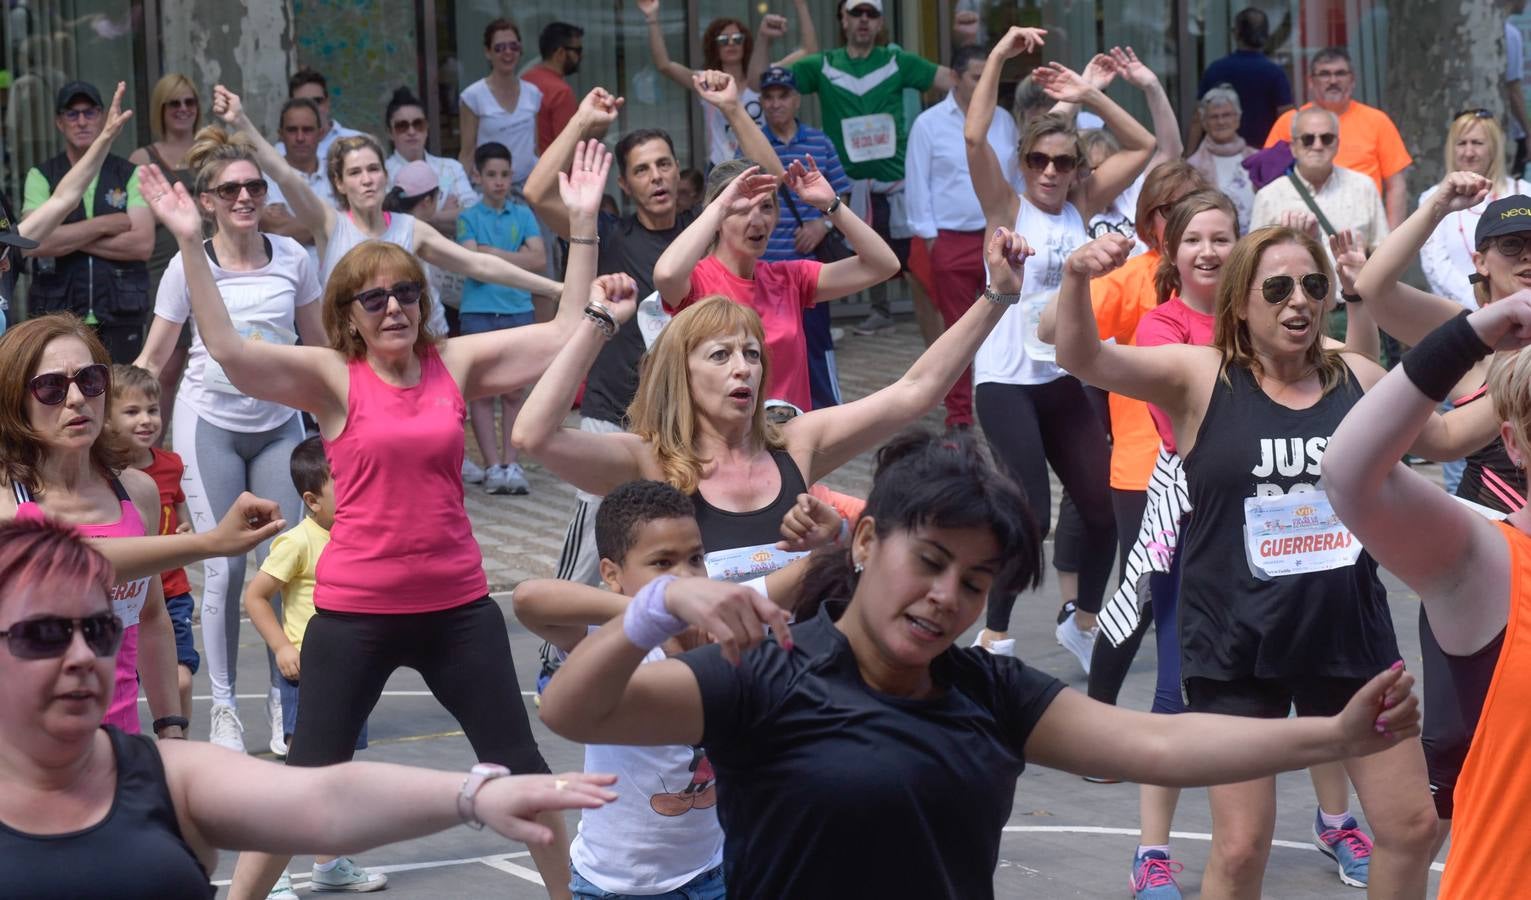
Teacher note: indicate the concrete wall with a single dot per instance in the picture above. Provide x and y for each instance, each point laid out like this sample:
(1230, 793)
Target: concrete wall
(247, 46)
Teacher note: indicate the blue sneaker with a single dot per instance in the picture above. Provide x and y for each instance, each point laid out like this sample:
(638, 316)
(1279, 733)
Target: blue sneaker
(1153, 877)
(1348, 846)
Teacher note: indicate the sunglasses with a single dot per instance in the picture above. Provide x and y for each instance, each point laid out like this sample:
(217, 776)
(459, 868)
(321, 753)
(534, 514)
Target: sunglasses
(1102, 227)
(1038, 161)
(1479, 113)
(1277, 288)
(723, 40)
(1327, 139)
(49, 637)
(50, 388)
(1510, 245)
(781, 414)
(188, 103)
(375, 300)
(89, 114)
(507, 47)
(229, 191)
(404, 125)
(863, 12)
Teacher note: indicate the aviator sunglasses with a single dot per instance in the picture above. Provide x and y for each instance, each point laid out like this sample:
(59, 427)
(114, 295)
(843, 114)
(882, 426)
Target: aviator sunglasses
(1277, 288)
(375, 300)
(50, 388)
(49, 637)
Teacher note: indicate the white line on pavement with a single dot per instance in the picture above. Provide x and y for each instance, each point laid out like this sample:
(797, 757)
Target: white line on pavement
(1133, 832)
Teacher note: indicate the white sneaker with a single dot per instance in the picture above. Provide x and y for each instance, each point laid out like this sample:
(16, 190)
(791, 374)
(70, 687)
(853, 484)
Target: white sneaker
(227, 730)
(1004, 647)
(472, 472)
(274, 715)
(1079, 643)
(282, 890)
(348, 876)
(516, 479)
(497, 480)
(836, 335)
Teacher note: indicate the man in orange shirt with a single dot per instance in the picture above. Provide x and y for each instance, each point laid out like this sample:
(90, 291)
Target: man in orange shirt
(562, 47)
(1369, 141)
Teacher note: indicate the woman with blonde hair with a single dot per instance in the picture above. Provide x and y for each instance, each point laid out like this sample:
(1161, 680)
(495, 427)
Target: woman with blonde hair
(401, 582)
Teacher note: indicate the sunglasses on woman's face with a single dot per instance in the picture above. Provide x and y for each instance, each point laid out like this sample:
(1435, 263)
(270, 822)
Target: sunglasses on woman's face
(723, 40)
(1037, 162)
(182, 103)
(507, 47)
(375, 300)
(49, 637)
(1327, 139)
(1277, 288)
(403, 125)
(229, 191)
(50, 388)
(1509, 245)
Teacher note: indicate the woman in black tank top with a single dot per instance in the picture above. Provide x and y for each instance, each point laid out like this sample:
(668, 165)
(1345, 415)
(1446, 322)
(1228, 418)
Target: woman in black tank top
(1280, 606)
(698, 421)
(115, 826)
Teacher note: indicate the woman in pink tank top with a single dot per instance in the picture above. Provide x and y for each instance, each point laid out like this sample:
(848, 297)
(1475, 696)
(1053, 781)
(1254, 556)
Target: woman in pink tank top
(401, 582)
(58, 463)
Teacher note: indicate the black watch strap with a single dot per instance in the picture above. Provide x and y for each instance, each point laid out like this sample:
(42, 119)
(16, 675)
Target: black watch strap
(1350, 298)
(164, 722)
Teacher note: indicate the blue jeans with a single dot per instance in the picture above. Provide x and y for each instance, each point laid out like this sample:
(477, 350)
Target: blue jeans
(478, 323)
(186, 654)
(706, 886)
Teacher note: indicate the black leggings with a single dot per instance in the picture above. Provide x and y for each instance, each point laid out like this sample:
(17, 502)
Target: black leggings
(1109, 663)
(1446, 733)
(1030, 426)
(464, 655)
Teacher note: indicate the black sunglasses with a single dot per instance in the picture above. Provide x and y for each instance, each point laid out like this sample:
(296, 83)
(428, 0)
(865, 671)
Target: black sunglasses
(228, 192)
(50, 388)
(863, 12)
(188, 103)
(1510, 245)
(1327, 139)
(375, 300)
(402, 125)
(49, 637)
(1037, 162)
(1277, 288)
(1102, 227)
(1479, 113)
(724, 40)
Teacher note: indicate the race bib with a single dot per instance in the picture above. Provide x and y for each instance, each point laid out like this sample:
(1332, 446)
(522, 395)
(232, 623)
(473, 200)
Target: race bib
(744, 563)
(128, 600)
(1294, 534)
(869, 137)
(1031, 317)
(213, 376)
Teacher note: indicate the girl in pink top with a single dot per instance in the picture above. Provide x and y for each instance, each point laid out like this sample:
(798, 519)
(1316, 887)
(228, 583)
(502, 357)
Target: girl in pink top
(719, 254)
(59, 463)
(401, 582)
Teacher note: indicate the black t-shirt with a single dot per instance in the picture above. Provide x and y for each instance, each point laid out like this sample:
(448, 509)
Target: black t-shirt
(626, 246)
(829, 789)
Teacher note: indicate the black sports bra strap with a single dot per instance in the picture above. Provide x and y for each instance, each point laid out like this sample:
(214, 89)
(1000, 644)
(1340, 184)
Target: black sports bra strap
(120, 491)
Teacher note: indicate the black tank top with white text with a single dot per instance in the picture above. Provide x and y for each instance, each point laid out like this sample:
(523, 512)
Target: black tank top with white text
(1235, 623)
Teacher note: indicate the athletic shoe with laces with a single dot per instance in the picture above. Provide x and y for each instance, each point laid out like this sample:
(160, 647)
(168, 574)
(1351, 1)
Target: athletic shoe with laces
(516, 478)
(472, 472)
(227, 730)
(1153, 876)
(348, 876)
(282, 890)
(497, 480)
(874, 323)
(1079, 643)
(1347, 845)
(274, 716)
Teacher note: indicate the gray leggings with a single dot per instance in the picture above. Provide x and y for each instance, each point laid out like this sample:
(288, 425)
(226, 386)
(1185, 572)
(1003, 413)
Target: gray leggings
(219, 465)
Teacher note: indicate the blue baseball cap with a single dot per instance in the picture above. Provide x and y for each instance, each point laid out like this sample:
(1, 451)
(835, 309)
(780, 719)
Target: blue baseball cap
(776, 76)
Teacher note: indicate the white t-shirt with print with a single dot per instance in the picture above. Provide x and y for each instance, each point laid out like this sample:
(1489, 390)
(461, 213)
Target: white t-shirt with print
(263, 304)
(1010, 354)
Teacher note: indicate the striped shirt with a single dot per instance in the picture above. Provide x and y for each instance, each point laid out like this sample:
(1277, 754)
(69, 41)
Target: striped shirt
(807, 141)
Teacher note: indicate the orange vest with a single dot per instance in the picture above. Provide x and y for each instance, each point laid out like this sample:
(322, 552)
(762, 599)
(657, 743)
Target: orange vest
(1490, 841)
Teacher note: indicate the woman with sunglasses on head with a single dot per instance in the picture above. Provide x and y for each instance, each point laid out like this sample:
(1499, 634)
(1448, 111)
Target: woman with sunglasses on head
(356, 174)
(58, 461)
(232, 442)
(1279, 607)
(1033, 412)
(502, 106)
(401, 582)
(87, 809)
(728, 46)
(1501, 261)
(408, 129)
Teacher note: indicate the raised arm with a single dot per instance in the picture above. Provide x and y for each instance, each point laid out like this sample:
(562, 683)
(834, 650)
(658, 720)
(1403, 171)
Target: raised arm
(995, 194)
(438, 250)
(1116, 173)
(595, 114)
(1168, 144)
(825, 439)
(1403, 311)
(1459, 565)
(1361, 335)
(718, 89)
(676, 72)
(250, 522)
(307, 378)
(498, 362)
(306, 207)
(874, 261)
(40, 222)
(965, 32)
(672, 271)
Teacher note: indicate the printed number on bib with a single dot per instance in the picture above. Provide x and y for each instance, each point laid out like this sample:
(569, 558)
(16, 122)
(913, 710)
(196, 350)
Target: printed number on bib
(213, 376)
(869, 137)
(1295, 534)
(744, 563)
(128, 600)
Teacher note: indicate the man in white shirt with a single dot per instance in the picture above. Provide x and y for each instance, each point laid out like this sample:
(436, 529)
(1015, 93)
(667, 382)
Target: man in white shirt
(299, 128)
(944, 210)
(308, 84)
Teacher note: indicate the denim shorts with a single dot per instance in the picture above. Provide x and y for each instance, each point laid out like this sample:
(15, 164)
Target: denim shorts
(478, 323)
(180, 607)
(289, 691)
(706, 886)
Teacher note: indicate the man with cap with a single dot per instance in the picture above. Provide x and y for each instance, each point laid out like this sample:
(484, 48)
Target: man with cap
(861, 96)
(95, 263)
(800, 227)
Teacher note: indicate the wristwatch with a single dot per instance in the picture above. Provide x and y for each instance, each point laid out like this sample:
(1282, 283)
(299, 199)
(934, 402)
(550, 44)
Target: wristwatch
(1350, 298)
(164, 722)
(477, 776)
(993, 296)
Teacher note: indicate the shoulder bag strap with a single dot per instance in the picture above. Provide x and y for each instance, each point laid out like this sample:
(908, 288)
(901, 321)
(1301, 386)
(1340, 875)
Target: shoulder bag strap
(1302, 191)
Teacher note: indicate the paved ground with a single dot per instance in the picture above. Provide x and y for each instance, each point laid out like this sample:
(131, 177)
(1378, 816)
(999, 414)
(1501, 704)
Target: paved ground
(1066, 838)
